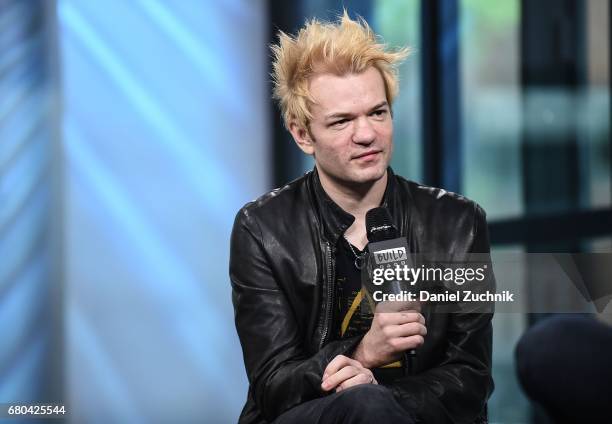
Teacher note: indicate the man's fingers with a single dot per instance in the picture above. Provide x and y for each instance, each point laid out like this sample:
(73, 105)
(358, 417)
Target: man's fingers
(411, 329)
(337, 363)
(361, 378)
(398, 318)
(397, 306)
(407, 343)
(340, 377)
(405, 330)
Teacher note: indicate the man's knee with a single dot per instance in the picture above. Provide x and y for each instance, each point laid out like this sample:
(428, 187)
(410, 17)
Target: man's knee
(365, 393)
(367, 402)
(542, 350)
(538, 348)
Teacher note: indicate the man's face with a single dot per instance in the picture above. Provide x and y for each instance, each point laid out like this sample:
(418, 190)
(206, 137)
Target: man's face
(351, 130)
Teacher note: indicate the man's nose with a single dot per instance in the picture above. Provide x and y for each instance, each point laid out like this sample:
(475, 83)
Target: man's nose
(364, 131)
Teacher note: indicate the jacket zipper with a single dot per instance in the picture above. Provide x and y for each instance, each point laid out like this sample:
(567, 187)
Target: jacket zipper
(330, 294)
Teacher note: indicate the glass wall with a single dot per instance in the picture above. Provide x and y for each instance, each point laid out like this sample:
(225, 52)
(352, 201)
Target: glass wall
(491, 162)
(491, 105)
(535, 143)
(595, 113)
(397, 22)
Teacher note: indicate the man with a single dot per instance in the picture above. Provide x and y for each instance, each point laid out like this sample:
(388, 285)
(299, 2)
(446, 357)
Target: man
(296, 251)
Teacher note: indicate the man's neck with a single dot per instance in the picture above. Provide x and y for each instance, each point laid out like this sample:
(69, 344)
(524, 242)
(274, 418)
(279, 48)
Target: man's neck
(356, 200)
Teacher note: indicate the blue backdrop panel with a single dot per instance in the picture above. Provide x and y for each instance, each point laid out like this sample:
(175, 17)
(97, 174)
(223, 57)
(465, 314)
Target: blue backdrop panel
(165, 138)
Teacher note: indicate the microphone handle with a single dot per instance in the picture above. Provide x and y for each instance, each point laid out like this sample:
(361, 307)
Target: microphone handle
(409, 361)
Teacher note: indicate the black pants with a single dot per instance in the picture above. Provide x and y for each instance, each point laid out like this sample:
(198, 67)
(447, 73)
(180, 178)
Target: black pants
(565, 364)
(366, 403)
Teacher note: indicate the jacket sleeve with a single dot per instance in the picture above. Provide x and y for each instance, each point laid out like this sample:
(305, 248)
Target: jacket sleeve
(457, 390)
(279, 371)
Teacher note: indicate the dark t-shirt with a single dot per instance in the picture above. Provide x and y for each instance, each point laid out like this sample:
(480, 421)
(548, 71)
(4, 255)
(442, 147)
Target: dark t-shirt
(353, 309)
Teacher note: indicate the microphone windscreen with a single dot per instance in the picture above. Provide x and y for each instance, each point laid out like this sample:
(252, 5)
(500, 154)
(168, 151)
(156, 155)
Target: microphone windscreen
(379, 225)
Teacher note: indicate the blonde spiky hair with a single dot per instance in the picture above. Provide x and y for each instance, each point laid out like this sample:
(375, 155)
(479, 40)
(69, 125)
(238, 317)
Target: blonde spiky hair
(347, 46)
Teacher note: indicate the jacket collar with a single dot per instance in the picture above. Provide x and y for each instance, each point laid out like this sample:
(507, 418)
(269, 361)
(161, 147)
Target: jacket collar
(332, 217)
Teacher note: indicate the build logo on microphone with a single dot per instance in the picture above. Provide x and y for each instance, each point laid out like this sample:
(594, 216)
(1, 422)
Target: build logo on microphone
(390, 255)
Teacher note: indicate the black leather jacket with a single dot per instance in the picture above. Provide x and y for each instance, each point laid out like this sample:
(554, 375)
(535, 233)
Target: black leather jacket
(282, 274)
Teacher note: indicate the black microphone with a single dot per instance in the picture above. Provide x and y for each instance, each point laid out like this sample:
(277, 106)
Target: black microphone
(387, 249)
(379, 225)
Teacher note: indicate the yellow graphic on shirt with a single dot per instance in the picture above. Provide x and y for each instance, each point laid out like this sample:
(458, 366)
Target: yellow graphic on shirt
(349, 315)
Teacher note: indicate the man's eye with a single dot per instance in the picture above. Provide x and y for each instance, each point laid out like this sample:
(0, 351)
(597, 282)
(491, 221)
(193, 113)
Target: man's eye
(379, 112)
(338, 123)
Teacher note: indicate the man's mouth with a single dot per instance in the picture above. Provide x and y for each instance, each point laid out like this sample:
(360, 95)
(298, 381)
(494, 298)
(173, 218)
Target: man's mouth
(370, 154)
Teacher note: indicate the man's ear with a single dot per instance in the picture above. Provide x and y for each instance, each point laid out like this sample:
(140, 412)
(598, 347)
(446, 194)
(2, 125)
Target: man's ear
(302, 137)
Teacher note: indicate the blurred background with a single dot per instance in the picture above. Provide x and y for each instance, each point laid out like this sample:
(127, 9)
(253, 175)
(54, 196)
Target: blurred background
(131, 132)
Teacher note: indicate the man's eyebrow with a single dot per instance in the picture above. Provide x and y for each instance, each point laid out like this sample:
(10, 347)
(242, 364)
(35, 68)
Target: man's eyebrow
(348, 114)
(378, 106)
(338, 115)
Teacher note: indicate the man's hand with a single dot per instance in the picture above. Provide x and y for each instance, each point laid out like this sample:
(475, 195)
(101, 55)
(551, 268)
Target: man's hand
(343, 372)
(390, 334)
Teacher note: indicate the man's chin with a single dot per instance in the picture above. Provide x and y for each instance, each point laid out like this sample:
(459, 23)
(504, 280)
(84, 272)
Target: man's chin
(356, 176)
(368, 176)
